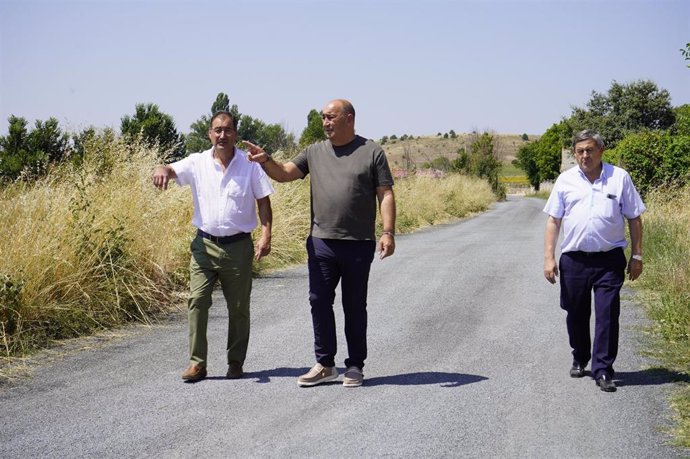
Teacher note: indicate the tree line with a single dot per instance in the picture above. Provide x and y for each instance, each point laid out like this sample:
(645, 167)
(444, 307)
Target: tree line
(27, 152)
(643, 133)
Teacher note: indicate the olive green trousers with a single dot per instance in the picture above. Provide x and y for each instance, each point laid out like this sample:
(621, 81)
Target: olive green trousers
(231, 264)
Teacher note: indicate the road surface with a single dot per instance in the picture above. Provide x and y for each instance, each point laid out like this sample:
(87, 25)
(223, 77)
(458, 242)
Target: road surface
(468, 357)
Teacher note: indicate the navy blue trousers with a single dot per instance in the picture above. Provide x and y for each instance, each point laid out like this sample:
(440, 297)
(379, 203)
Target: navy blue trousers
(330, 261)
(603, 273)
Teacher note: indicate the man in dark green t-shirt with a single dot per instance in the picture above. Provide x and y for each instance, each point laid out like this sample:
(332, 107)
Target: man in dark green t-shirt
(348, 175)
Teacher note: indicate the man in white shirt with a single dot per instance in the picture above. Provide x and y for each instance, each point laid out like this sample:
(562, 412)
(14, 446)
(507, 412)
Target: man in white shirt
(225, 188)
(591, 201)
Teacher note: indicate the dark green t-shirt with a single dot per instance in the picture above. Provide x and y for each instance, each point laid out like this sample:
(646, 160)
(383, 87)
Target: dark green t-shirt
(343, 187)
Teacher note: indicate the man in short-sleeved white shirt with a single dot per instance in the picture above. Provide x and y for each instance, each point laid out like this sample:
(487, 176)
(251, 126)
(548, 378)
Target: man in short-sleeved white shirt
(227, 189)
(591, 202)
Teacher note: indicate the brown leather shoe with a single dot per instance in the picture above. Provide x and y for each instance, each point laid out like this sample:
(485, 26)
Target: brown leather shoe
(234, 371)
(194, 372)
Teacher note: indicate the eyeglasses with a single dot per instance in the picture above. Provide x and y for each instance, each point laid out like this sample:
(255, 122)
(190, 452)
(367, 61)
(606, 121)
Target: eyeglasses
(582, 151)
(219, 131)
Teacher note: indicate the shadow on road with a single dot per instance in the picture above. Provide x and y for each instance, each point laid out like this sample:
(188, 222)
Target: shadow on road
(425, 377)
(407, 379)
(649, 377)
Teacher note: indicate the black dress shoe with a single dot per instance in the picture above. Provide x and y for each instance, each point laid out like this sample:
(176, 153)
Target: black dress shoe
(605, 383)
(234, 371)
(577, 370)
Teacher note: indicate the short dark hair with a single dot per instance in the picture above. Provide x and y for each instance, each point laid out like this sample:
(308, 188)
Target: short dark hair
(586, 135)
(223, 113)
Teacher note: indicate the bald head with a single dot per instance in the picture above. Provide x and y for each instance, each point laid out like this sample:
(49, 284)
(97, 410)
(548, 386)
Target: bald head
(338, 117)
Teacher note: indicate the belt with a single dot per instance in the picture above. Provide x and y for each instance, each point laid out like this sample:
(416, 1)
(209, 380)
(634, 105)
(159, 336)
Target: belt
(222, 239)
(594, 254)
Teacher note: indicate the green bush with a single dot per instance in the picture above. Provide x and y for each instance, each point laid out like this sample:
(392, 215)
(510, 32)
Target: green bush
(655, 159)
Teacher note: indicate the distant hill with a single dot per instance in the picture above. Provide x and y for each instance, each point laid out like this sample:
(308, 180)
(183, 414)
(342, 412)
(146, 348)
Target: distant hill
(425, 148)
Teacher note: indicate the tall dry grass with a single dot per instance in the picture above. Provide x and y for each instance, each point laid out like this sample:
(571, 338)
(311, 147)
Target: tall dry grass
(666, 290)
(424, 201)
(95, 245)
(88, 247)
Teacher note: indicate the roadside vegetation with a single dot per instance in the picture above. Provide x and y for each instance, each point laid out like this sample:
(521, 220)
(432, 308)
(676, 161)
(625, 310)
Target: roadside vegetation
(665, 291)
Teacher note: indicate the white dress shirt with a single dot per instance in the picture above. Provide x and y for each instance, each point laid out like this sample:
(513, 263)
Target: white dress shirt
(593, 213)
(224, 202)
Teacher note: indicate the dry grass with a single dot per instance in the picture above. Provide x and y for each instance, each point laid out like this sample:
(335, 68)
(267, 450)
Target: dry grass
(424, 201)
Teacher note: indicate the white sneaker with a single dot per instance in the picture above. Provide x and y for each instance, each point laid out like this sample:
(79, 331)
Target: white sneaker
(353, 377)
(317, 375)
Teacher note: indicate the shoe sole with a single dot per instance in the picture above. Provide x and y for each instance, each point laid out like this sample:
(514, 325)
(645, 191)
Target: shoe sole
(352, 384)
(315, 383)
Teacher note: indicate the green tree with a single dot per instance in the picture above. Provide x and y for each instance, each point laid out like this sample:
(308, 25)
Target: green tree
(452, 133)
(549, 149)
(541, 159)
(625, 108)
(525, 137)
(197, 140)
(682, 124)
(526, 159)
(155, 128)
(31, 151)
(313, 132)
(271, 137)
(481, 161)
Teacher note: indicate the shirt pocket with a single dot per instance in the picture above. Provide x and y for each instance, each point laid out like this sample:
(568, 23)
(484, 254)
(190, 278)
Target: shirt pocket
(606, 207)
(237, 187)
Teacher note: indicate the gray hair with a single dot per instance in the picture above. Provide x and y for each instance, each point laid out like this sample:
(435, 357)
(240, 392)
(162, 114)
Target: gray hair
(586, 135)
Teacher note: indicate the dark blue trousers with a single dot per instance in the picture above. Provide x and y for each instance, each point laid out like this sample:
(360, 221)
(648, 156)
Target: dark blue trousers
(330, 261)
(604, 273)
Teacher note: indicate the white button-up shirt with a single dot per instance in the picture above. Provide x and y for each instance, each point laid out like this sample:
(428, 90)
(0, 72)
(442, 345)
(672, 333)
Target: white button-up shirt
(593, 213)
(224, 201)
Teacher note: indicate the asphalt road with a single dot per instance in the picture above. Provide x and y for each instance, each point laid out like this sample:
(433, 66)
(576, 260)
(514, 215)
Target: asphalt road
(468, 358)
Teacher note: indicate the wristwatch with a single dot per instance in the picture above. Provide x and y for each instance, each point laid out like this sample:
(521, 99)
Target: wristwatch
(637, 257)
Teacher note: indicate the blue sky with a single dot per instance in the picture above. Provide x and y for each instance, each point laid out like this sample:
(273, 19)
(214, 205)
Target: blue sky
(409, 67)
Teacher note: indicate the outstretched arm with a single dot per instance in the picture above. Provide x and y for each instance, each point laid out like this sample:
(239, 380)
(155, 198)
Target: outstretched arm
(279, 172)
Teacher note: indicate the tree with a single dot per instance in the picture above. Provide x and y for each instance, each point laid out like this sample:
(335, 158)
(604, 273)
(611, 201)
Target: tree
(686, 52)
(271, 137)
(525, 137)
(549, 150)
(541, 159)
(481, 161)
(197, 139)
(526, 159)
(682, 124)
(313, 132)
(155, 128)
(625, 108)
(31, 151)
(452, 133)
